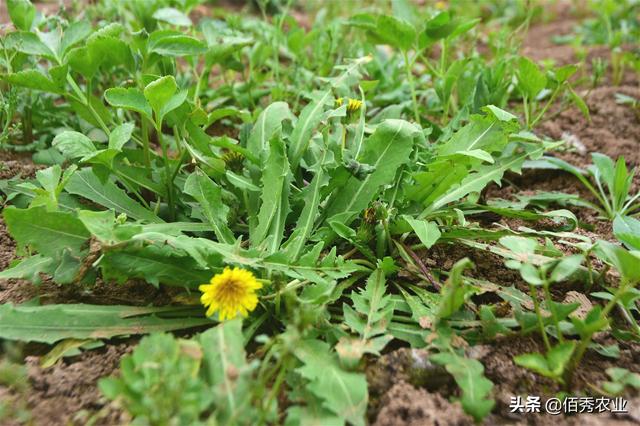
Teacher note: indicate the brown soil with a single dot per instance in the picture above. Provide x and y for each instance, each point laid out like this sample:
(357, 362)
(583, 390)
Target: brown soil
(67, 393)
(534, 181)
(403, 404)
(614, 127)
(4, 14)
(510, 380)
(539, 45)
(406, 389)
(488, 266)
(405, 365)
(613, 130)
(16, 164)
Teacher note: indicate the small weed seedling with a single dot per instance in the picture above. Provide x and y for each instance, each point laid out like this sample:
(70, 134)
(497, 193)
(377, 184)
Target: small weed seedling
(613, 183)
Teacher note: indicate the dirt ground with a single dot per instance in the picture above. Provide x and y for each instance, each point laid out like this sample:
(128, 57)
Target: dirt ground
(402, 392)
(67, 392)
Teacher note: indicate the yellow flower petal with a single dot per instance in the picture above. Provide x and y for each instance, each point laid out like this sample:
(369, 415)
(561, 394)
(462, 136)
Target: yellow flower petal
(230, 293)
(353, 105)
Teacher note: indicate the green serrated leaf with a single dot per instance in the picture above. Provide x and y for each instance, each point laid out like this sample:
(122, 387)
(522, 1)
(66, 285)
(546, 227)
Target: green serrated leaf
(427, 232)
(120, 136)
(396, 32)
(310, 117)
(228, 373)
(159, 92)
(624, 261)
(627, 230)
(47, 232)
(172, 16)
(174, 43)
(342, 393)
(86, 184)
(22, 13)
(33, 79)
(469, 376)
(74, 144)
(475, 182)
(386, 150)
(131, 99)
(306, 221)
(530, 79)
(52, 323)
(269, 122)
(30, 269)
(454, 291)
(209, 195)
(154, 266)
(29, 43)
(274, 193)
(75, 33)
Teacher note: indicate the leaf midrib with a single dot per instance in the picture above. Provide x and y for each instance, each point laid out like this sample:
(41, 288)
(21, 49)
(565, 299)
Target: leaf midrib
(364, 182)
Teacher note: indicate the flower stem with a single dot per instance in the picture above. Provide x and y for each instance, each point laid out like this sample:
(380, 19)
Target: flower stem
(586, 340)
(414, 98)
(145, 144)
(167, 171)
(536, 306)
(556, 323)
(548, 104)
(87, 102)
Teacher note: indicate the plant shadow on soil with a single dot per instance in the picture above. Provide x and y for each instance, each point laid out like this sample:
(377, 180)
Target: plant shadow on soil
(405, 388)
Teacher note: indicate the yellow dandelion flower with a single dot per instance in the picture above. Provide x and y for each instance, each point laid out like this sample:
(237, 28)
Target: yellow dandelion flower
(339, 102)
(230, 293)
(441, 5)
(353, 105)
